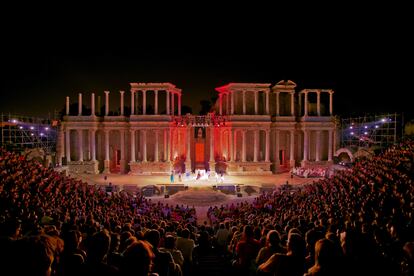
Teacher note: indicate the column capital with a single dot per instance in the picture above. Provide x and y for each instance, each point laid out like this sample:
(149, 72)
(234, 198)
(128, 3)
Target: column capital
(106, 92)
(121, 91)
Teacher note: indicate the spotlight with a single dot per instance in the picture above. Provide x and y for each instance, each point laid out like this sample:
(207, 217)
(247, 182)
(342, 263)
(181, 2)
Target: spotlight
(46, 128)
(31, 128)
(350, 127)
(383, 120)
(365, 133)
(42, 134)
(352, 133)
(31, 134)
(365, 127)
(376, 126)
(20, 127)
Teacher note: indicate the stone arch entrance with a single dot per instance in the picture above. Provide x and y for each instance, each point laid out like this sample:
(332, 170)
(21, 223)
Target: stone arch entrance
(344, 154)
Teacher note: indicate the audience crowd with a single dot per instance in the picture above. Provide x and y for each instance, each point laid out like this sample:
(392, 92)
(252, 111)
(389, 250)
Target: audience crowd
(357, 222)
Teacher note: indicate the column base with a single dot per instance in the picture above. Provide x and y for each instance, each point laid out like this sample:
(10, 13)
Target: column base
(107, 166)
(292, 163)
(123, 166)
(276, 167)
(187, 166)
(212, 167)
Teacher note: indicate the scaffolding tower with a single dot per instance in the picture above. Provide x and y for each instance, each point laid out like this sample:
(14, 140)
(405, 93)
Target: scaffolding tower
(379, 130)
(22, 132)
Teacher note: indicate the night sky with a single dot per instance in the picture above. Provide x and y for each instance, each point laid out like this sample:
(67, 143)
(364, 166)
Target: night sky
(44, 59)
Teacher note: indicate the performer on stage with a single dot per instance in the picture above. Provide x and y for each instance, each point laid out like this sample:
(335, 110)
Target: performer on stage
(172, 177)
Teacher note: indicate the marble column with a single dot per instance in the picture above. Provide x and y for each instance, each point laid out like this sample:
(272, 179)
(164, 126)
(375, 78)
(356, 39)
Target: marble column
(80, 104)
(318, 146)
(235, 146)
(330, 145)
(277, 148)
(167, 102)
(305, 145)
(80, 145)
(179, 105)
(165, 145)
(277, 104)
(330, 103)
(306, 104)
(144, 102)
(156, 132)
(122, 102)
(144, 145)
(106, 103)
(170, 144)
(267, 152)
(122, 136)
(292, 148)
(212, 144)
(67, 106)
(318, 102)
(172, 104)
(156, 102)
(132, 102)
(106, 161)
(267, 102)
(93, 104)
(132, 145)
(67, 141)
(92, 144)
(227, 104)
(255, 140)
(256, 102)
(244, 146)
(221, 103)
(231, 145)
(188, 157)
(292, 104)
(244, 102)
(232, 103)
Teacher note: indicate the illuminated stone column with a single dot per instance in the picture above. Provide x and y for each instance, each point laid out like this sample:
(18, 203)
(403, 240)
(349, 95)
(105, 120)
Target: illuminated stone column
(144, 145)
(172, 104)
(67, 142)
(156, 102)
(122, 102)
(277, 148)
(122, 135)
(93, 104)
(156, 132)
(231, 145)
(256, 102)
(292, 104)
(168, 102)
(227, 104)
(80, 145)
(235, 146)
(318, 146)
(232, 103)
(318, 102)
(330, 103)
(170, 144)
(132, 102)
(277, 104)
(144, 102)
(306, 104)
(212, 144)
(244, 146)
(106, 103)
(292, 148)
(165, 145)
(106, 161)
(80, 104)
(188, 157)
(267, 146)
(244, 102)
(305, 145)
(256, 134)
(67, 105)
(267, 102)
(221, 103)
(179, 105)
(92, 144)
(132, 131)
(330, 145)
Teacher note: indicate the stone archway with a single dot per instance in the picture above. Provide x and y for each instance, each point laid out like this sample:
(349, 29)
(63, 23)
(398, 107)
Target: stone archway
(344, 151)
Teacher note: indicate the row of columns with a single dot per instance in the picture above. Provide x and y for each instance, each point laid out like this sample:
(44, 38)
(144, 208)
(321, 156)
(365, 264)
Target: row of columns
(230, 102)
(169, 94)
(318, 101)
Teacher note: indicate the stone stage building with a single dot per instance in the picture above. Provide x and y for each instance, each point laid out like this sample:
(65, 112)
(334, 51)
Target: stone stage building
(253, 129)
